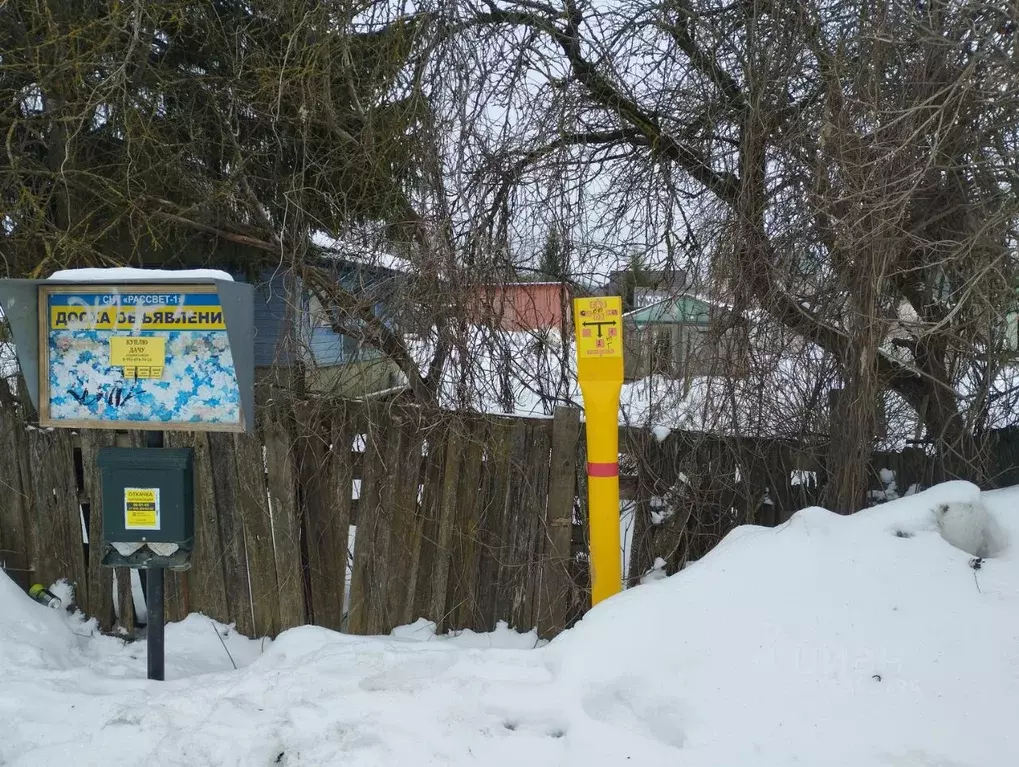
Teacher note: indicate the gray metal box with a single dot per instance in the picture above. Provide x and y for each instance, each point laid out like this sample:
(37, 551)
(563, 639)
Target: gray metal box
(148, 507)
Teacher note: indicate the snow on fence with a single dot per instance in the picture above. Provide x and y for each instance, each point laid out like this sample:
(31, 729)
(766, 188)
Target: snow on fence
(365, 516)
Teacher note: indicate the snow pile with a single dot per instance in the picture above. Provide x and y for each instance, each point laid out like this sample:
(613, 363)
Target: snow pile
(38, 640)
(503, 637)
(968, 526)
(360, 253)
(35, 637)
(863, 640)
(855, 641)
(132, 274)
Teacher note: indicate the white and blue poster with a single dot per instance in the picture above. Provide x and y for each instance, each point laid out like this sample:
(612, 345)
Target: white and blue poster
(139, 355)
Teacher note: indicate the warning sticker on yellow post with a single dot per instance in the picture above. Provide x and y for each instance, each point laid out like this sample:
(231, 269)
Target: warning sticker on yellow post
(141, 508)
(599, 327)
(141, 357)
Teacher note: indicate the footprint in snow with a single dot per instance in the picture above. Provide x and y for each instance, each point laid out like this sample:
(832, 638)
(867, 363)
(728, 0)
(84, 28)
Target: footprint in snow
(409, 676)
(620, 705)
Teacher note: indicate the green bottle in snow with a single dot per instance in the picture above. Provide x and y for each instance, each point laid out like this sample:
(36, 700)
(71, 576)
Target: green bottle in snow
(44, 596)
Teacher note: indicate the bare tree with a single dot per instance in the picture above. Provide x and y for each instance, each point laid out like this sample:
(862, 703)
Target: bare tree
(847, 168)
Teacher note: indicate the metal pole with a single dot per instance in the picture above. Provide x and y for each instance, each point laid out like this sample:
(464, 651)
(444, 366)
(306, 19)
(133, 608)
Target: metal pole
(155, 623)
(599, 328)
(154, 598)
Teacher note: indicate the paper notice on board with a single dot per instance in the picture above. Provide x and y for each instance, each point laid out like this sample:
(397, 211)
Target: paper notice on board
(141, 357)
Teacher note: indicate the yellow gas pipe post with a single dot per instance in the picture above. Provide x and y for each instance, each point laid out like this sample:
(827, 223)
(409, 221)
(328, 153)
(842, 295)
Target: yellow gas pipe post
(599, 330)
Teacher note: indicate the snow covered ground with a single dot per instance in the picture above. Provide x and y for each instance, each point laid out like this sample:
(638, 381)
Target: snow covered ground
(828, 641)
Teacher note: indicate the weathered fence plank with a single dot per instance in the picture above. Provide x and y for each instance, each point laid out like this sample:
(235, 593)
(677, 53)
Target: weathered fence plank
(642, 554)
(280, 460)
(206, 578)
(555, 586)
(312, 445)
(56, 511)
(531, 540)
(100, 579)
(126, 617)
(253, 508)
(497, 471)
(16, 544)
(515, 527)
(226, 494)
(426, 523)
(463, 591)
(446, 521)
(326, 495)
(367, 580)
(403, 519)
(579, 541)
(175, 606)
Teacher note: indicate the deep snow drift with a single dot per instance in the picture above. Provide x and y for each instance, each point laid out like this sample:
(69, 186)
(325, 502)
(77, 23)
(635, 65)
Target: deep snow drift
(864, 640)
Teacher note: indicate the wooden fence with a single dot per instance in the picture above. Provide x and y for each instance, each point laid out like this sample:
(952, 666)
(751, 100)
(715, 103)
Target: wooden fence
(461, 520)
(690, 489)
(465, 520)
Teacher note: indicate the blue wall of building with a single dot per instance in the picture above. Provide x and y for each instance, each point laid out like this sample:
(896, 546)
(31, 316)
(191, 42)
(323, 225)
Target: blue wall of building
(274, 319)
(330, 348)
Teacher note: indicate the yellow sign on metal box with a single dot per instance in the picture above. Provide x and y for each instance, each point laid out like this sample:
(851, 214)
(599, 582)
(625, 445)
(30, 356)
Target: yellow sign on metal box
(141, 508)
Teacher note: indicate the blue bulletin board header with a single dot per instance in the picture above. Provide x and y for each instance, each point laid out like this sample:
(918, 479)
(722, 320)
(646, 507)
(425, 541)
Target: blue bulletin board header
(136, 311)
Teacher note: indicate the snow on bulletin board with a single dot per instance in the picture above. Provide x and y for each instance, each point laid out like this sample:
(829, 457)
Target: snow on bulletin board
(144, 354)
